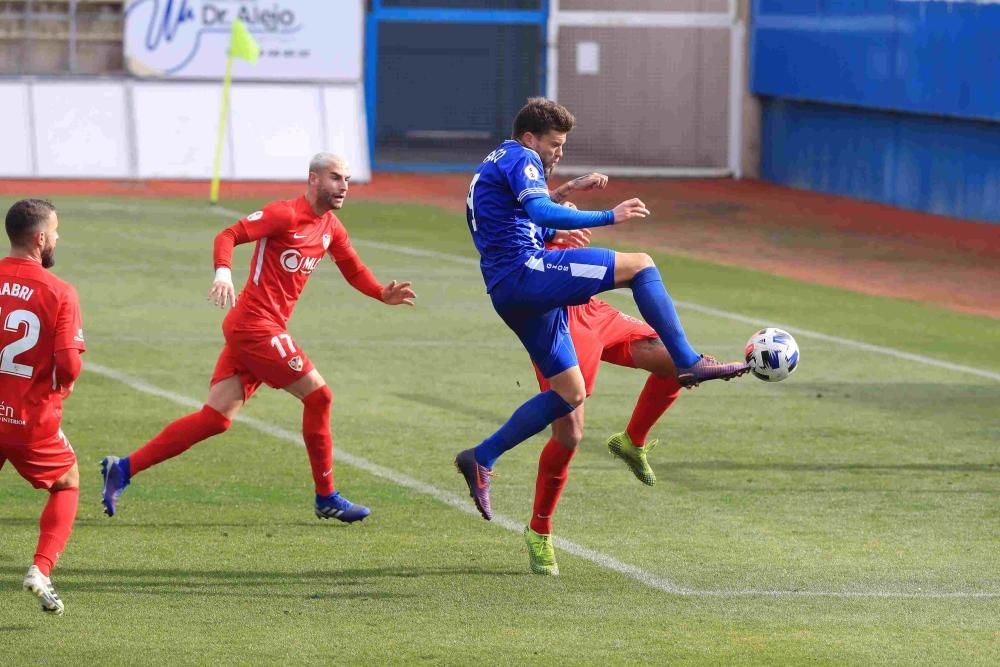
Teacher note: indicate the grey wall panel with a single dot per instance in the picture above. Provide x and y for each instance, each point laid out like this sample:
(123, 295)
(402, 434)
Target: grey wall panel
(659, 99)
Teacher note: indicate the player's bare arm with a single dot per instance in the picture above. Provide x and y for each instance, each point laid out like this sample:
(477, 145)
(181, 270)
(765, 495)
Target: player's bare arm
(591, 181)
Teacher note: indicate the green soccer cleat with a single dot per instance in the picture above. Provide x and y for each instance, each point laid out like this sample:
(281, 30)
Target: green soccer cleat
(635, 457)
(540, 553)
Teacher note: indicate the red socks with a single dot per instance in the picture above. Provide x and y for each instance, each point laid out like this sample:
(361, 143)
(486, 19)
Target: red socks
(319, 442)
(55, 525)
(178, 437)
(553, 470)
(658, 395)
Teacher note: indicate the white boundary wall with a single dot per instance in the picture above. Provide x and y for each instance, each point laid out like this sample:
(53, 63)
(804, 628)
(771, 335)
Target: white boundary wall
(127, 128)
(607, 18)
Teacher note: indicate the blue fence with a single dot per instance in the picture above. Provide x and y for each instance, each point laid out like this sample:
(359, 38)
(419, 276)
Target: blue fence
(891, 100)
(444, 78)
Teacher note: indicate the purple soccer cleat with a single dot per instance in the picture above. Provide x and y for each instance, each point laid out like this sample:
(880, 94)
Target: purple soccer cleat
(478, 479)
(117, 475)
(709, 368)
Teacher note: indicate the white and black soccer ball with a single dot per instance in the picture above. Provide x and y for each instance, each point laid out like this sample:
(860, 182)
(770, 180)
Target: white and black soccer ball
(773, 354)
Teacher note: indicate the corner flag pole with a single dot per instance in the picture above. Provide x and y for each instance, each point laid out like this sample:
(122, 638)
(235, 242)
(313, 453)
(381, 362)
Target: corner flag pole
(241, 45)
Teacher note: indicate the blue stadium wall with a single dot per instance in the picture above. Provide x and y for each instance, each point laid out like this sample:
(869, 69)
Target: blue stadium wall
(895, 101)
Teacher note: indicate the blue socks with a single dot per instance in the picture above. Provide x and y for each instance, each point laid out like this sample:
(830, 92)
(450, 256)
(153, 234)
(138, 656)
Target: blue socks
(529, 419)
(659, 312)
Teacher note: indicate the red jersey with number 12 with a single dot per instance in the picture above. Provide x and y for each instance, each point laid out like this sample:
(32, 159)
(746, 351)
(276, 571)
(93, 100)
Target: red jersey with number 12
(291, 241)
(40, 314)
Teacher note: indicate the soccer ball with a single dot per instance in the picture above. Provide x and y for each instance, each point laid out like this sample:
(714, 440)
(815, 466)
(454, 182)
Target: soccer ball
(772, 354)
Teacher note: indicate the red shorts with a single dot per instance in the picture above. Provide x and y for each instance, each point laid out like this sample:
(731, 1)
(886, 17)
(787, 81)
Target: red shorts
(601, 332)
(43, 462)
(261, 355)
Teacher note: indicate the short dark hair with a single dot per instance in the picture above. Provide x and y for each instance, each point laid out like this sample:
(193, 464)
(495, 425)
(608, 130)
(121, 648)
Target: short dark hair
(26, 218)
(540, 115)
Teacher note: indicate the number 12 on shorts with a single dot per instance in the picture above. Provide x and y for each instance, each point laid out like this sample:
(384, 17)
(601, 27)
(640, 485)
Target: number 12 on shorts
(276, 344)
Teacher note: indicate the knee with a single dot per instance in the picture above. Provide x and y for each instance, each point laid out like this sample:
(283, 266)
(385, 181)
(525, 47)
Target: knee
(219, 421)
(636, 262)
(320, 398)
(569, 434)
(575, 396)
(70, 480)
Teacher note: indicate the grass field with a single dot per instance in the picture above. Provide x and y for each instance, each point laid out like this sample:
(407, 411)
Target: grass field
(850, 515)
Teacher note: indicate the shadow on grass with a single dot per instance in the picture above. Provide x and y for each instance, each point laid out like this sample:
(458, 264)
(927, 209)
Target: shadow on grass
(313, 584)
(116, 524)
(451, 405)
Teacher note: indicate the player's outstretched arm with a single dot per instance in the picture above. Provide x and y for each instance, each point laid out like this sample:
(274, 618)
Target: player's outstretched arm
(546, 213)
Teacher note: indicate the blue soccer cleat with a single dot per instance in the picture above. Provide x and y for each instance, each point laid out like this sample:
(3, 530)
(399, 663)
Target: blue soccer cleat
(116, 477)
(336, 506)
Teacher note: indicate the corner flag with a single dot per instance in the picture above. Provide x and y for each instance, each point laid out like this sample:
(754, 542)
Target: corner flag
(241, 45)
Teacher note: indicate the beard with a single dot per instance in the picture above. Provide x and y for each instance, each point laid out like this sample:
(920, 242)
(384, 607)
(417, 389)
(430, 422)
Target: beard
(49, 257)
(328, 198)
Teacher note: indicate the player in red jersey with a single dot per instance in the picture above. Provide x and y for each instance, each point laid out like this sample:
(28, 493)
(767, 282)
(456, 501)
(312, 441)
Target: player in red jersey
(600, 332)
(40, 345)
(292, 236)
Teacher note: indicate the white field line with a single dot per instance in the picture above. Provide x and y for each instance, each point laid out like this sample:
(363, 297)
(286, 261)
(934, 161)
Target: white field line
(464, 504)
(448, 498)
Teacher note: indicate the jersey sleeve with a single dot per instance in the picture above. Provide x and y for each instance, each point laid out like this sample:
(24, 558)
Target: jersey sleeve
(525, 175)
(351, 267)
(69, 323)
(273, 220)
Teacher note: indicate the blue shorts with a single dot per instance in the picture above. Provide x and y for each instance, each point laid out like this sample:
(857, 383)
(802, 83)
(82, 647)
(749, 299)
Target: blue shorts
(532, 300)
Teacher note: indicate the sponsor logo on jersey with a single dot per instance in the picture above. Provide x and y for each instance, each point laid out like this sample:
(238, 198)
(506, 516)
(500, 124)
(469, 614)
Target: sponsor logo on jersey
(295, 363)
(531, 172)
(256, 215)
(7, 415)
(292, 260)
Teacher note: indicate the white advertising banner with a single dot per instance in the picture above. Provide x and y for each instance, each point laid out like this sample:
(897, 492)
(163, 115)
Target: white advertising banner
(300, 40)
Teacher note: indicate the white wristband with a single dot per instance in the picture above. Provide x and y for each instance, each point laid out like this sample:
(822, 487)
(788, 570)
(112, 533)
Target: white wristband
(224, 275)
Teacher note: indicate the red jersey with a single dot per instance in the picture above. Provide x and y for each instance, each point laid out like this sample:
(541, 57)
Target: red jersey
(40, 314)
(291, 241)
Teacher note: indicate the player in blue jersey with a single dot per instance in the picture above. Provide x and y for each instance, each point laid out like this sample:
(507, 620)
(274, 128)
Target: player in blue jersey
(530, 287)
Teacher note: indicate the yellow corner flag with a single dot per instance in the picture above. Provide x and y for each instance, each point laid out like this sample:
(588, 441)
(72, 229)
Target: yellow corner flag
(241, 45)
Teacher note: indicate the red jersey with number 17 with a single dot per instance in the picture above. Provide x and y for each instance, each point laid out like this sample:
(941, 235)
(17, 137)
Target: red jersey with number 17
(291, 241)
(40, 314)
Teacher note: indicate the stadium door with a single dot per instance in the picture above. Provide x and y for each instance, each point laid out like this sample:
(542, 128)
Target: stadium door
(444, 78)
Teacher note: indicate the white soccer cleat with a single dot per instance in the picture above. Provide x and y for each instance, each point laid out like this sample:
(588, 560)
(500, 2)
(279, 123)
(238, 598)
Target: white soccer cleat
(40, 586)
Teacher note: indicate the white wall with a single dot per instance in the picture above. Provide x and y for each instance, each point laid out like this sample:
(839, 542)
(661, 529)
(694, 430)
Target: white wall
(130, 129)
(16, 157)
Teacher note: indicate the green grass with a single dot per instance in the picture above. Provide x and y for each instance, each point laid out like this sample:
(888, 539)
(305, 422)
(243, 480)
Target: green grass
(862, 474)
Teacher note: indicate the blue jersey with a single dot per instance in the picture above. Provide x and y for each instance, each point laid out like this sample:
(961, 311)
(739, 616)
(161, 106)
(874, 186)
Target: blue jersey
(501, 229)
